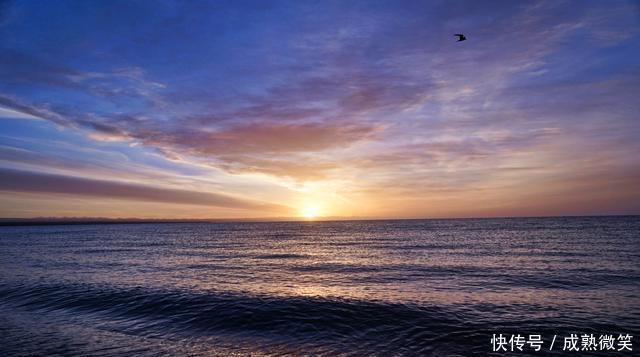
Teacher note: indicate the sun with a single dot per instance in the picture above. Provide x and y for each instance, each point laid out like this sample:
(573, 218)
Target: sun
(309, 212)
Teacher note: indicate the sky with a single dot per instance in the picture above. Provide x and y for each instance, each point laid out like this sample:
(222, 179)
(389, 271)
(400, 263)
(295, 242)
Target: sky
(349, 109)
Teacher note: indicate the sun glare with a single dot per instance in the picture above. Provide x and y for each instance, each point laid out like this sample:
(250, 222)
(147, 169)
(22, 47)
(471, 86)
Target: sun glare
(309, 212)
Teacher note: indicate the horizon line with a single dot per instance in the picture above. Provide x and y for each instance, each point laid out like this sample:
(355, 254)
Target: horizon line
(26, 221)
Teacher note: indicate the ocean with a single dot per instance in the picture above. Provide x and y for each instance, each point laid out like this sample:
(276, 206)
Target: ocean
(361, 288)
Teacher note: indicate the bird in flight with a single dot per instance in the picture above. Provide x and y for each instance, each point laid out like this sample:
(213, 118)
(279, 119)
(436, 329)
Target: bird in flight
(460, 37)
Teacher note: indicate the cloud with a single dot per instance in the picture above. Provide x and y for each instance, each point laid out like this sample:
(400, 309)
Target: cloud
(298, 168)
(67, 158)
(381, 93)
(13, 114)
(20, 68)
(264, 138)
(278, 149)
(15, 105)
(32, 182)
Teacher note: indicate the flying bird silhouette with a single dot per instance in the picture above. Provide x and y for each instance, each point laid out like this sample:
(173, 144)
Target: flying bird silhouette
(460, 37)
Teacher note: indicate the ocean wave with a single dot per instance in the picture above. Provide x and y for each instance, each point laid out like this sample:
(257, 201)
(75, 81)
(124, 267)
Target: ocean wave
(353, 324)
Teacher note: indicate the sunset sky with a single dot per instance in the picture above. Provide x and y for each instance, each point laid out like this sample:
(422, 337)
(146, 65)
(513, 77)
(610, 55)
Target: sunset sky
(353, 109)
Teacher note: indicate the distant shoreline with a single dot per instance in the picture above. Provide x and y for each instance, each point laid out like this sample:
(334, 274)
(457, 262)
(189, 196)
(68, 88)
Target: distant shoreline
(9, 222)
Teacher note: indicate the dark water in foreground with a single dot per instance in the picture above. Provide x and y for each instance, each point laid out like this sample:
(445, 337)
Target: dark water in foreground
(432, 287)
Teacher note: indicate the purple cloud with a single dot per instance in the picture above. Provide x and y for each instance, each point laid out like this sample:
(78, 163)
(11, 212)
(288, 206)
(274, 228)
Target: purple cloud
(26, 181)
